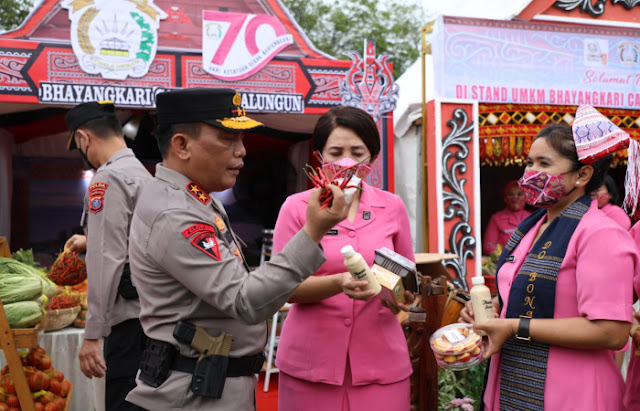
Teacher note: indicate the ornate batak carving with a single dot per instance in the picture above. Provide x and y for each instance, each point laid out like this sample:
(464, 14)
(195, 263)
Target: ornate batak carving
(595, 9)
(369, 83)
(455, 150)
(628, 4)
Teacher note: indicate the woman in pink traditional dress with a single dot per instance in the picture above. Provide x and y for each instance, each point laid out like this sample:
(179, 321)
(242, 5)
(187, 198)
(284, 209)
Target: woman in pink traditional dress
(339, 348)
(632, 382)
(558, 319)
(608, 200)
(503, 223)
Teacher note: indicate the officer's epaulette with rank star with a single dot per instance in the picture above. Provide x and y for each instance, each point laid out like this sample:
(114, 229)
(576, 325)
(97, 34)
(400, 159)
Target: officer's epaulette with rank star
(198, 193)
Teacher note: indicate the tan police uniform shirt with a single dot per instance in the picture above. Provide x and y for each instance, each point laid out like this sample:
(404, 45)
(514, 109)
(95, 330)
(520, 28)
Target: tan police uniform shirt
(186, 269)
(106, 218)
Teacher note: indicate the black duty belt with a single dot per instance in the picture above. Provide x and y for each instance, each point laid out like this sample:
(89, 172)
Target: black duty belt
(238, 366)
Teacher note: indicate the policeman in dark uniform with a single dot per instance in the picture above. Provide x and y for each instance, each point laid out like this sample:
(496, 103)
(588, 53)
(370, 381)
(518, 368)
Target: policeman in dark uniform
(108, 208)
(188, 264)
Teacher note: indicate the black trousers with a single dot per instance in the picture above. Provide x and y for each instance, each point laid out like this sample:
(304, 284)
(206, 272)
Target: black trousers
(122, 353)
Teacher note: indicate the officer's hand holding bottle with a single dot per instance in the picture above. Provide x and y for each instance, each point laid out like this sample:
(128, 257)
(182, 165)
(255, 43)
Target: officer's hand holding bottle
(320, 221)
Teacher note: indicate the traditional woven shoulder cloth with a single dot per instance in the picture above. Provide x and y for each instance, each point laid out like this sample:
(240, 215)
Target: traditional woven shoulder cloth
(524, 363)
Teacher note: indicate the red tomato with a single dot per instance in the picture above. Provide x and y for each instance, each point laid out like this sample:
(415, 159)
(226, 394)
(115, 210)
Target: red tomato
(13, 401)
(34, 358)
(60, 402)
(47, 398)
(8, 385)
(4, 407)
(56, 387)
(45, 362)
(39, 381)
(66, 387)
(39, 406)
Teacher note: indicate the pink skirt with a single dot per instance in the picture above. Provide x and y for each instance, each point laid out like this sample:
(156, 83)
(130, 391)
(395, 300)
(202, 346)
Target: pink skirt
(295, 394)
(632, 384)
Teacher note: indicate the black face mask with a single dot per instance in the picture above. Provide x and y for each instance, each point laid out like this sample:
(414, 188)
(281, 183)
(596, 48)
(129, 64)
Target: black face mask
(86, 159)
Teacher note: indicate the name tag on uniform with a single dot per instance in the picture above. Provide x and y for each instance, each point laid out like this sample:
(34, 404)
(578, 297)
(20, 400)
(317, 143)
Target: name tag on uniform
(510, 259)
(333, 232)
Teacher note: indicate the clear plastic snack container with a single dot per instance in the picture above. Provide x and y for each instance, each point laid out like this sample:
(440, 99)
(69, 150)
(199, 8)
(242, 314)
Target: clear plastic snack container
(456, 346)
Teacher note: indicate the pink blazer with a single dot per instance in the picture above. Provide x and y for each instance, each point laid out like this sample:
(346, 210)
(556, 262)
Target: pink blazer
(595, 281)
(317, 337)
(618, 215)
(501, 225)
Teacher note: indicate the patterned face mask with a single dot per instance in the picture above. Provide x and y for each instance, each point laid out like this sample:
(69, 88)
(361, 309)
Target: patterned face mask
(542, 190)
(331, 168)
(603, 199)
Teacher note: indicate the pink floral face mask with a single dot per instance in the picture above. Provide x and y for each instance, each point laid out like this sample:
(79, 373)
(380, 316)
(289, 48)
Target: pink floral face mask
(542, 190)
(331, 168)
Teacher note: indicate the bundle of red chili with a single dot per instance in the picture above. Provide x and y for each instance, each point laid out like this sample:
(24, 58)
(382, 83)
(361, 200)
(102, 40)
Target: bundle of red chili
(68, 269)
(321, 180)
(61, 301)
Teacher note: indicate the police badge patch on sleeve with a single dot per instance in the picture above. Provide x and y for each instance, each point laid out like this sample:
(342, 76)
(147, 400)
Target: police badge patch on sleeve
(205, 240)
(96, 196)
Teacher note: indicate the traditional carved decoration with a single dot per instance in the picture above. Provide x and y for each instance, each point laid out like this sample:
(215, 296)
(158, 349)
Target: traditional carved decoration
(455, 150)
(595, 9)
(585, 5)
(628, 4)
(11, 78)
(369, 84)
(327, 83)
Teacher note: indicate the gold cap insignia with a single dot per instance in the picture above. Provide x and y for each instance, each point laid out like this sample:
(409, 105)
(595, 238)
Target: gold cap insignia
(237, 100)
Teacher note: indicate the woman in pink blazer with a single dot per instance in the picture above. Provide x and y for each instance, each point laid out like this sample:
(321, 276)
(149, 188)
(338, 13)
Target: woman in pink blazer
(503, 223)
(608, 198)
(559, 320)
(339, 348)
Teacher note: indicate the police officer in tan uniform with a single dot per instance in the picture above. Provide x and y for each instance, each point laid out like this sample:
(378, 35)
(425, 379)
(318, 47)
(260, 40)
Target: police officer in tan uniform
(188, 264)
(108, 208)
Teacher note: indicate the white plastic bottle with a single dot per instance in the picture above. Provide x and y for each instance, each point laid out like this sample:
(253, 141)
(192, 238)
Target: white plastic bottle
(481, 300)
(359, 268)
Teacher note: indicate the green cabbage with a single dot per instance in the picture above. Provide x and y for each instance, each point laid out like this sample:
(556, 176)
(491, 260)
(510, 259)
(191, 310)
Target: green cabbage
(15, 288)
(11, 266)
(23, 314)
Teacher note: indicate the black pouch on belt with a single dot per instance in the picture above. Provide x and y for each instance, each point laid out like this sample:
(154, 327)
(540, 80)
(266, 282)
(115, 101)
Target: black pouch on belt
(209, 376)
(126, 288)
(156, 362)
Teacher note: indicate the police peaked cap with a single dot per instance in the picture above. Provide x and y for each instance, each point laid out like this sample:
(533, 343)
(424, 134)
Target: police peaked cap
(85, 112)
(219, 107)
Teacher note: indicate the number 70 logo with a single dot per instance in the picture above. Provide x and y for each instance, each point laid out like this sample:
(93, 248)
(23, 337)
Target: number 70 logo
(235, 45)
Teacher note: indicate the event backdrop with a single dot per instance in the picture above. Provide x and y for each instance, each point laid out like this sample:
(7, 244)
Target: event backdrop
(536, 63)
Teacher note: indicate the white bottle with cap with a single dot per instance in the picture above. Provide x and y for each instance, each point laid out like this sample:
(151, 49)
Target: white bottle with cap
(481, 300)
(359, 268)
